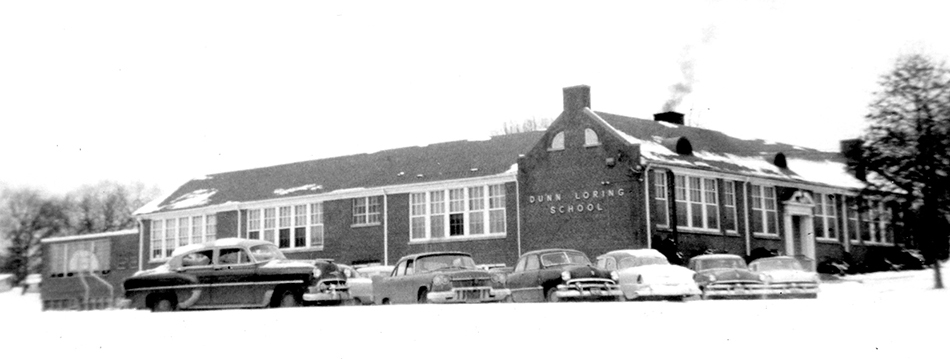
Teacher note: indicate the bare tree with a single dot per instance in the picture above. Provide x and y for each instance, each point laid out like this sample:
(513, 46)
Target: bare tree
(527, 125)
(107, 206)
(26, 217)
(906, 149)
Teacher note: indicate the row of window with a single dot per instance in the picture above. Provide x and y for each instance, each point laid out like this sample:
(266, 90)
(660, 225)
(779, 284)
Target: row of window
(297, 226)
(171, 233)
(698, 205)
(79, 257)
(457, 212)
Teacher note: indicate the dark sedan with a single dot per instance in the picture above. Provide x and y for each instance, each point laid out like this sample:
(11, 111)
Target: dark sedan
(560, 274)
(234, 273)
(727, 276)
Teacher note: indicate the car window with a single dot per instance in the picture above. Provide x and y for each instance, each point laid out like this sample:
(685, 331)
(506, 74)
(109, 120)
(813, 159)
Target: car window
(266, 252)
(611, 264)
(233, 256)
(409, 267)
(602, 262)
(400, 269)
(533, 263)
(197, 259)
(642, 261)
(521, 263)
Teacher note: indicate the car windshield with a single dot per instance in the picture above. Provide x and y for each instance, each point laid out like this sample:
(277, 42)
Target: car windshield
(778, 264)
(266, 252)
(444, 261)
(641, 261)
(562, 258)
(713, 263)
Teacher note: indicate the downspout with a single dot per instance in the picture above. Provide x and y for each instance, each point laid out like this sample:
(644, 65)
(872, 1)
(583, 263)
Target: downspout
(646, 202)
(141, 242)
(745, 216)
(518, 210)
(385, 228)
(238, 233)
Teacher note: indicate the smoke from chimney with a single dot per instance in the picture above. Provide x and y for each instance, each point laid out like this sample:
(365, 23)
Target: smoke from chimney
(684, 87)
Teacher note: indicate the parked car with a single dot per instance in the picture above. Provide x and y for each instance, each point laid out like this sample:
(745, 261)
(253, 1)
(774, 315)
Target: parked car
(234, 273)
(647, 274)
(727, 276)
(560, 274)
(787, 277)
(360, 282)
(438, 277)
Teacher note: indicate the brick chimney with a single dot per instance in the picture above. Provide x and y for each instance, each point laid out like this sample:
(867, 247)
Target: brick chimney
(675, 118)
(851, 150)
(576, 97)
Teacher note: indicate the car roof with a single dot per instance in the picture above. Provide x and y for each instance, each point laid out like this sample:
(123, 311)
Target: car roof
(223, 242)
(642, 252)
(775, 257)
(716, 256)
(542, 251)
(427, 254)
(376, 269)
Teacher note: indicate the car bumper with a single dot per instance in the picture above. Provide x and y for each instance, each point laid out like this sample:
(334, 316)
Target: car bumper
(469, 295)
(793, 290)
(588, 290)
(662, 290)
(737, 291)
(332, 295)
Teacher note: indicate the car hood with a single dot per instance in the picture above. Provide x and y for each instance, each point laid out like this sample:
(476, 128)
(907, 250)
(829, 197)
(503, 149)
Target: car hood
(288, 263)
(731, 274)
(465, 274)
(779, 276)
(657, 273)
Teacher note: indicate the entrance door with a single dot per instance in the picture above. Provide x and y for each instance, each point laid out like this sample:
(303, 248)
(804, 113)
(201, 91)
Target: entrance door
(797, 238)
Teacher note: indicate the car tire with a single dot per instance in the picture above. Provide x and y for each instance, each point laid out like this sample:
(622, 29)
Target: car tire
(356, 301)
(288, 300)
(385, 301)
(551, 296)
(423, 297)
(163, 304)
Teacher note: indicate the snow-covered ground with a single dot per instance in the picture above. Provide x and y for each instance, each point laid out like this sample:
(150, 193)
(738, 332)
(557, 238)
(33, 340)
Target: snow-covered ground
(881, 315)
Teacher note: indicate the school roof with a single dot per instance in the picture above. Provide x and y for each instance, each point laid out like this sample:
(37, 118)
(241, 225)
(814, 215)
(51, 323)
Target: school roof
(125, 232)
(714, 150)
(436, 162)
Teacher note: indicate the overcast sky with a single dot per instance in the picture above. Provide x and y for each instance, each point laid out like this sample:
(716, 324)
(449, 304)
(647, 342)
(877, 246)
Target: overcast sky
(162, 92)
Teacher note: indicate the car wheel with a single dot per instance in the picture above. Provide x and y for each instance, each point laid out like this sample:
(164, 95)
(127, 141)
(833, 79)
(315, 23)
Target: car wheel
(356, 301)
(288, 300)
(385, 301)
(163, 305)
(423, 297)
(551, 296)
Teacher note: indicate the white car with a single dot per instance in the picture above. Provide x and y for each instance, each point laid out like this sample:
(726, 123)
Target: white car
(646, 274)
(787, 277)
(360, 282)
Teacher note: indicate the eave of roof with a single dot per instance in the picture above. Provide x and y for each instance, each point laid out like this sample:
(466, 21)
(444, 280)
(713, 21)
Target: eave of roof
(124, 232)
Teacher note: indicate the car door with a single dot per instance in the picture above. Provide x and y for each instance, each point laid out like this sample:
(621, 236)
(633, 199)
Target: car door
(236, 282)
(385, 288)
(523, 281)
(196, 267)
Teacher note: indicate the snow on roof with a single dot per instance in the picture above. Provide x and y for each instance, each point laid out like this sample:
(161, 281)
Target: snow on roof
(306, 187)
(827, 172)
(91, 236)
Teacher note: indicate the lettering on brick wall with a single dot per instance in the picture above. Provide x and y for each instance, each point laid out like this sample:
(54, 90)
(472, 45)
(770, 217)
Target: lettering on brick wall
(576, 201)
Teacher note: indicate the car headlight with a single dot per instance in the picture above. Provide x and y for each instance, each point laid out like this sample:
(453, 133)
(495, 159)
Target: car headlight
(317, 273)
(712, 278)
(817, 278)
(440, 280)
(764, 277)
(565, 275)
(614, 276)
(497, 279)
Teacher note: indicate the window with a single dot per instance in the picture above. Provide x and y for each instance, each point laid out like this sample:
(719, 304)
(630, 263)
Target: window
(197, 229)
(366, 211)
(254, 224)
(557, 143)
(316, 225)
(852, 219)
(171, 233)
(697, 202)
(472, 211)
(884, 223)
(289, 227)
(826, 219)
(156, 239)
(79, 257)
(875, 221)
(283, 231)
(590, 138)
(764, 215)
(533, 263)
(233, 256)
(729, 206)
(662, 202)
